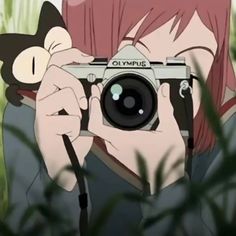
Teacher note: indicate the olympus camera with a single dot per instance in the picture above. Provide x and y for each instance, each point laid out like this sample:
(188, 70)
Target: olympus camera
(131, 81)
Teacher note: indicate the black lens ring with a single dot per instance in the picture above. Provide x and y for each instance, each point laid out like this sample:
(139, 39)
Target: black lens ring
(153, 95)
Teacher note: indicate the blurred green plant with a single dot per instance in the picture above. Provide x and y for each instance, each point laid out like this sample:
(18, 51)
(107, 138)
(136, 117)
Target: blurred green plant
(15, 17)
(233, 36)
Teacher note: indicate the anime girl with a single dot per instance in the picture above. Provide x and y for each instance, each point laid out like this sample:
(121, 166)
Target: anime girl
(100, 28)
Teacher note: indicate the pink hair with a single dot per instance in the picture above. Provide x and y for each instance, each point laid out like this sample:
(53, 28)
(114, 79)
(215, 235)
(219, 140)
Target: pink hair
(97, 27)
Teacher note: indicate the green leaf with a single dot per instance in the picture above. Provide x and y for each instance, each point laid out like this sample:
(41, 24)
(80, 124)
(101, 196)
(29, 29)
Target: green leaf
(5, 229)
(159, 173)
(8, 8)
(104, 215)
(150, 221)
(134, 197)
(84, 172)
(143, 173)
(52, 190)
(18, 133)
(218, 215)
(28, 214)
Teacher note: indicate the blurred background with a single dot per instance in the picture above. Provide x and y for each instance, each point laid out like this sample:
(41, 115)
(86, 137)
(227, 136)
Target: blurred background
(15, 17)
(22, 17)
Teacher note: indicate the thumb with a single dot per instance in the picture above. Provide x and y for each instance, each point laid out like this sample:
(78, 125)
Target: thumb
(96, 117)
(95, 124)
(165, 108)
(69, 56)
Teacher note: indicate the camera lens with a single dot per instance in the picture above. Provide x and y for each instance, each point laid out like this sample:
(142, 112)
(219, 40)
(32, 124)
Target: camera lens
(129, 102)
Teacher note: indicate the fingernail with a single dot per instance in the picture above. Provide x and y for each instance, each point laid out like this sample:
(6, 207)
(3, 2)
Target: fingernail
(93, 89)
(83, 103)
(86, 55)
(165, 90)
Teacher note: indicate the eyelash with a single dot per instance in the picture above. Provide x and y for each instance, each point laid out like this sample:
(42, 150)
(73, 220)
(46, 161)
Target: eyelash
(196, 47)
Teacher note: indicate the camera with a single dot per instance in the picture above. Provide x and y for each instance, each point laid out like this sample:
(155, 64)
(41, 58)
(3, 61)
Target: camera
(131, 81)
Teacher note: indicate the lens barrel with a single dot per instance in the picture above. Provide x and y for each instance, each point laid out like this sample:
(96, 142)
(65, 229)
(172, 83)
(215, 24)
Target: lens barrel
(129, 101)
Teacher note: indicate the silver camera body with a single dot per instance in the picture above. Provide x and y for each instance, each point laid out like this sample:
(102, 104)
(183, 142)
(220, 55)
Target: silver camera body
(131, 81)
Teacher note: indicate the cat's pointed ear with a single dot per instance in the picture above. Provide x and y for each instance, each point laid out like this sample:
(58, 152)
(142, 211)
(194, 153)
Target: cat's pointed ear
(12, 44)
(4, 52)
(49, 17)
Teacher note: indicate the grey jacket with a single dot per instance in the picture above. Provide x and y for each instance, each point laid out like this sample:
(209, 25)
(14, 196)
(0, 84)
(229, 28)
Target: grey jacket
(29, 177)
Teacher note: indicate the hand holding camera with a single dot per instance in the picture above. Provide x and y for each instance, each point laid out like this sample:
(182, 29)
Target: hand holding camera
(60, 90)
(125, 109)
(131, 108)
(153, 145)
(131, 81)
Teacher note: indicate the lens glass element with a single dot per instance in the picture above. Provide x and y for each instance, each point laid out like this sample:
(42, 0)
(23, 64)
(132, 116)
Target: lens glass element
(129, 102)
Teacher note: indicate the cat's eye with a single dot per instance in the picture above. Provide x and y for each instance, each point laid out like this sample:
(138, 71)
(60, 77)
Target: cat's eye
(33, 65)
(24, 66)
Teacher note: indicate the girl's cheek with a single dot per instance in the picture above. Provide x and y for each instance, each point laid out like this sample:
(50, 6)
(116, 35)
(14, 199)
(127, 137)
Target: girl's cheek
(203, 58)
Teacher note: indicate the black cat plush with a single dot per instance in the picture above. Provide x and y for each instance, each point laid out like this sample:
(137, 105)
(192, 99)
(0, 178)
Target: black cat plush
(25, 57)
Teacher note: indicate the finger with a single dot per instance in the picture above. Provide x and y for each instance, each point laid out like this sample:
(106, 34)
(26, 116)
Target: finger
(69, 125)
(62, 99)
(95, 110)
(68, 56)
(56, 78)
(59, 125)
(165, 108)
(110, 148)
(96, 125)
(100, 86)
(95, 92)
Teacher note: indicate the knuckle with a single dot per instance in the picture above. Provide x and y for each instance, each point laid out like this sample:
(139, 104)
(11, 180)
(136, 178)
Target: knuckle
(67, 91)
(78, 84)
(75, 50)
(171, 109)
(68, 98)
(74, 83)
(110, 150)
(51, 72)
(67, 94)
(91, 126)
(52, 69)
(75, 131)
(54, 58)
(38, 97)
